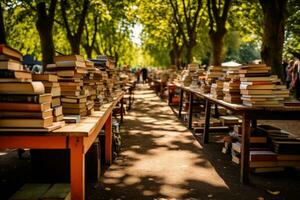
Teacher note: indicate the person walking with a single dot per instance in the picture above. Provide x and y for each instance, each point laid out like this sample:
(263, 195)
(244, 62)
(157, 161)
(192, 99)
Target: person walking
(289, 73)
(295, 79)
(145, 74)
(138, 75)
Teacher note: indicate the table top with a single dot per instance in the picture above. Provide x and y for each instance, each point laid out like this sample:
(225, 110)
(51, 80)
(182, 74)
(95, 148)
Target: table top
(239, 107)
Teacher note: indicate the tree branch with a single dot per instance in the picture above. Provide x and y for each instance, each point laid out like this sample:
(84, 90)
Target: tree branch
(226, 9)
(51, 14)
(64, 16)
(82, 17)
(215, 10)
(211, 19)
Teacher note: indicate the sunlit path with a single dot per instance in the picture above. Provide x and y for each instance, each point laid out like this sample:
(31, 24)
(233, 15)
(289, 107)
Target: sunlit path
(160, 158)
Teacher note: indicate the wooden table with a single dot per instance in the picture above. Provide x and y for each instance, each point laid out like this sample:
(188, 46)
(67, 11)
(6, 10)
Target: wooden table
(77, 137)
(249, 117)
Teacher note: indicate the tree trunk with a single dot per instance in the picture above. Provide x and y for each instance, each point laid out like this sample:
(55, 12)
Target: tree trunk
(88, 50)
(2, 28)
(172, 57)
(75, 44)
(273, 36)
(47, 44)
(217, 41)
(189, 52)
(44, 26)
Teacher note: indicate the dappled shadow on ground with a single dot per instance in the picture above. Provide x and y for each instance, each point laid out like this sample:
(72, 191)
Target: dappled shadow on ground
(161, 159)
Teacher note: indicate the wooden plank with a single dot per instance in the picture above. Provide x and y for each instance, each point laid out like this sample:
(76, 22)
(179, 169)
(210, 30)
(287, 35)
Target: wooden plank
(31, 191)
(180, 103)
(59, 191)
(34, 142)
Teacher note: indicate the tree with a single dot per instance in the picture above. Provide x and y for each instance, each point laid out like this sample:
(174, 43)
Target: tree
(74, 36)
(2, 29)
(217, 29)
(44, 25)
(275, 14)
(89, 42)
(186, 15)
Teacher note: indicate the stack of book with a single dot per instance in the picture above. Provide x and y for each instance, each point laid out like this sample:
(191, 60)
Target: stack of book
(23, 102)
(90, 86)
(231, 72)
(258, 88)
(213, 73)
(231, 91)
(71, 70)
(217, 90)
(50, 82)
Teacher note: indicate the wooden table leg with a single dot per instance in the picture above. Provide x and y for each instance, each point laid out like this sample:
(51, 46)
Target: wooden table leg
(129, 99)
(216, 111)
(244, 177)
(180, 102)
(190, 113)
(253, 123)
(205, 137)
(122, 110)
(169, 96)
(108, 140)
(77, 168)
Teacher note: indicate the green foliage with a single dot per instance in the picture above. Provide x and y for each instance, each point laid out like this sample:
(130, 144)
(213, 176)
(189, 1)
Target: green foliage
(116, 20)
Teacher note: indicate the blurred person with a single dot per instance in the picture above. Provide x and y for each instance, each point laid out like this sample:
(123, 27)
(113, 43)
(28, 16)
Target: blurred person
(295, 79)
(144, 74)
(138, 75)
(289, 73)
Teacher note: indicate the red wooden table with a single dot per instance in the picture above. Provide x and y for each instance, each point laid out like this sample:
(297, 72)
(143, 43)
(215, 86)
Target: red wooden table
(77, 137)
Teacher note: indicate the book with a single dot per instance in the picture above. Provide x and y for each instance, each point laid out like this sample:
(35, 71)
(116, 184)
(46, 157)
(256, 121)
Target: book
(69, 73)
(11, 65)
(57, 111)
(15, 74)
(26, 123)
(72, 118)
(256, 164)
(51, 84)
(69, 63)
(248, 92)
(256, 87)
(69, 88)
(8, 51)
(29, 114)
(56, 102)
(45, 77)
(73, 105)
(292, 103)
(74, 100)
(252, 79)
(22, 88)
(70, 93)
(68, 58)
(54, 91)
(262, 156)
(42, 98)
(24, 107)
(268, 169)
(58, 118)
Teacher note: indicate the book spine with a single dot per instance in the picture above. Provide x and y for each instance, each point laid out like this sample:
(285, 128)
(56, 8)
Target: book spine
(19, 99)
(7, 74)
